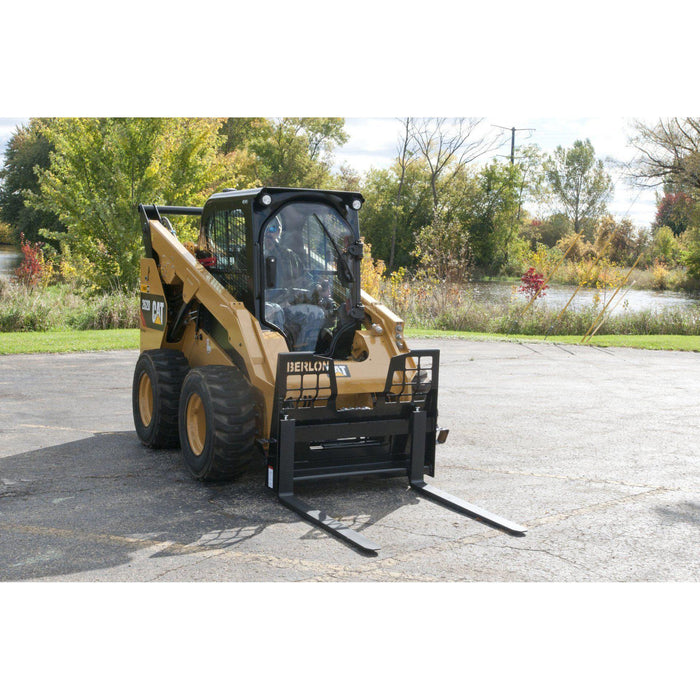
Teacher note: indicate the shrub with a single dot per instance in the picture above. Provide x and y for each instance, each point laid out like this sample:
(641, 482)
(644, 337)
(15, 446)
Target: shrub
(31, 269)
(532, 284)
(371, 272)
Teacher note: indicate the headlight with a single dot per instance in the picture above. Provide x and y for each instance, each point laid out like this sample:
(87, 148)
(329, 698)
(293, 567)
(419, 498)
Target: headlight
(356, 204)
(266, 200)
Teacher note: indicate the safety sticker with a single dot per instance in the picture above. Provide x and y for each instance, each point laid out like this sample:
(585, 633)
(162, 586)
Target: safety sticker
(270, 477)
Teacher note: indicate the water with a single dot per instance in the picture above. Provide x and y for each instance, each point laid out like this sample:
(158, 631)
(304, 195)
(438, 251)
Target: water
(9, 260)
(500, 292)
(557, 295)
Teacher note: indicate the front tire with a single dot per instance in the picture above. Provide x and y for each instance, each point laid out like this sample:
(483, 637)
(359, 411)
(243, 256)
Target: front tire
(155, 396)
(217, 423)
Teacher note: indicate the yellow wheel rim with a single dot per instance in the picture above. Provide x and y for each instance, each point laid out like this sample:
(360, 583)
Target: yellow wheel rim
(196, 424)
(145, 399)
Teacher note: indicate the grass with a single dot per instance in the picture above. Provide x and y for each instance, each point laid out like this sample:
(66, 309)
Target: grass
(128, 339)
(642, 342)
(68, 341)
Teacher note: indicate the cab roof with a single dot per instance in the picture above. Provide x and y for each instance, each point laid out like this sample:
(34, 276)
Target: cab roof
(274, 192)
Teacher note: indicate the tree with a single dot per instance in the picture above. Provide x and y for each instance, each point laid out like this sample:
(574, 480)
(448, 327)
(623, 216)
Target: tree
(297, 152)
(692, 255)
(621, 236)
(553, 229)
(665, 246)
(530, 162)
(405, 156)
(382, 219)
(239, 132)
(443, 249)
(448, 146)
(102, 169)
(579, 182)
(492, 214)
(674, 210)
(27, 149)
(669, 153)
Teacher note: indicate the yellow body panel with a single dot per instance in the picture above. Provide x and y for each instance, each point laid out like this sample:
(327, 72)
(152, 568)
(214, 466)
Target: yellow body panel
(257, 346)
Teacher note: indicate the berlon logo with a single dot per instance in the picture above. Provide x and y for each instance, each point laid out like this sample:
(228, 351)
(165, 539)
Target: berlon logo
(302, 366)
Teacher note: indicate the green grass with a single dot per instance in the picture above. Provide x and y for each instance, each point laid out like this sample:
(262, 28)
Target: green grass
(68, 341)
(128, 339)
(643, 342)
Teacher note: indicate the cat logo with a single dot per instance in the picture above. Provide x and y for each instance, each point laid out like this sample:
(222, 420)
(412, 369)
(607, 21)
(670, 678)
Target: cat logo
(153, 311)
(157, 309)
(342, 371)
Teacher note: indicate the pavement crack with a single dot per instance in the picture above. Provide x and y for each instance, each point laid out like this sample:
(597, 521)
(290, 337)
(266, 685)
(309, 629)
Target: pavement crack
(543, 551)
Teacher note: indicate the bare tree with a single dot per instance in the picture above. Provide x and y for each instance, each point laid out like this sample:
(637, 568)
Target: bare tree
(669, 153)
(448, 145)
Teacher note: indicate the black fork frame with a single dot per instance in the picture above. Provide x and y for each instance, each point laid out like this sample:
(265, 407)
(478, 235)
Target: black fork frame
(311, 439)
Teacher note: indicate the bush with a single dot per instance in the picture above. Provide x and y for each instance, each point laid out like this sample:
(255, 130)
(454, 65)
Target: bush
(116, 310)
(427, 304)
(532, 284)
(31, 269)
(59, 307)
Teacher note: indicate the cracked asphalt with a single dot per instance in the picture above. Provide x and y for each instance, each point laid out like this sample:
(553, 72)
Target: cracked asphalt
(595, 451)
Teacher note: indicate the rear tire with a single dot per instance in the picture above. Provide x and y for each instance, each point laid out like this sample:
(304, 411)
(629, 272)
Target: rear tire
(155, 396)
(217, 422)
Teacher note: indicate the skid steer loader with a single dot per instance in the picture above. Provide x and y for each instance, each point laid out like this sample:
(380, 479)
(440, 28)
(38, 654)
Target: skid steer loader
(260, 338)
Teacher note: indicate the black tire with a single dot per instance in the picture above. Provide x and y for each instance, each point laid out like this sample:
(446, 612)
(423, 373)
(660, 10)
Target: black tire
(217, 421)
(155, 396)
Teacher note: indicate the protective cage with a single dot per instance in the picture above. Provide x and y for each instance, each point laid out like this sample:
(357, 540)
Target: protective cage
(313, 439)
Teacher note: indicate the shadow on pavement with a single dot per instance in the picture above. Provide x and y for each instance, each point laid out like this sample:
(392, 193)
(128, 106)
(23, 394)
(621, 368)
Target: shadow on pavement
(94, 503)
(681, 512)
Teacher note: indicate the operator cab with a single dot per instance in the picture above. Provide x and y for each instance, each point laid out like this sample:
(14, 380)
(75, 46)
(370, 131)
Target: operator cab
(292, 256)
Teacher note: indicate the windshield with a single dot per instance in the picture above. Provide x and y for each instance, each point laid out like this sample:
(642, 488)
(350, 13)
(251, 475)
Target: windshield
(308, 276)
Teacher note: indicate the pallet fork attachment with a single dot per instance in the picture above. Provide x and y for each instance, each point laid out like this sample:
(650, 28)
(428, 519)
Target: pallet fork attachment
(311, 439)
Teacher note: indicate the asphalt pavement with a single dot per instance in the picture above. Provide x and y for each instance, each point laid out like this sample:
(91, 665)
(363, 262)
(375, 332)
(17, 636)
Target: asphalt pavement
(594, 450)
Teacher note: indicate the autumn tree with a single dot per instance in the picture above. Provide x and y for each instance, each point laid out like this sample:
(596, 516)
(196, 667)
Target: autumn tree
(674, 210)
(579, 182)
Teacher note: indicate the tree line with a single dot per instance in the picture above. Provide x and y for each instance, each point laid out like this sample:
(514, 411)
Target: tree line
(446, 203)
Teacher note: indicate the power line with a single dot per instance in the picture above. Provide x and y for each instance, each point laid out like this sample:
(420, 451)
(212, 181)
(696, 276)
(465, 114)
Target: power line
(512, 130)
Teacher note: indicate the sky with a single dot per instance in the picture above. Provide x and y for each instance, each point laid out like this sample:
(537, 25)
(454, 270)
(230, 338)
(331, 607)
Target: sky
(373, 142)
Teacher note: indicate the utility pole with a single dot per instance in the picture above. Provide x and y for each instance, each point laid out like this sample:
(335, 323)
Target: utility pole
(512, 130)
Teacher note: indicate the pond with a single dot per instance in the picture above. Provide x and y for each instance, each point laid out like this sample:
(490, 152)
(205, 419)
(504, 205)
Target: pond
(500, 292)
(9, 260)
(556, 297)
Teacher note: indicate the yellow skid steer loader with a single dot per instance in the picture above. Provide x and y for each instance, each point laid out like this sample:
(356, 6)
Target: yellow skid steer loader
(260, 338)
